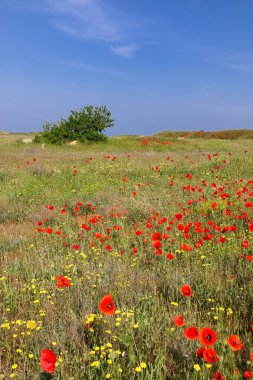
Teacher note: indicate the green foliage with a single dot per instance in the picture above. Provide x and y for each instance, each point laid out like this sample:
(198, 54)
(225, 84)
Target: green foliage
(87, 125)
(45, 376)
(145, 286)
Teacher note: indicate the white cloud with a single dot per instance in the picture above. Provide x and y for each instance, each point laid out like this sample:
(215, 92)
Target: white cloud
(91, 20)
(246, 67)
(79, 65)
(234, 61)
(86, 19)
(125, 51)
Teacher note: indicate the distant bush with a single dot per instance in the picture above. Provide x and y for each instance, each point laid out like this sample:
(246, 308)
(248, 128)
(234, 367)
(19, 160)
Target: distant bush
(87, 125)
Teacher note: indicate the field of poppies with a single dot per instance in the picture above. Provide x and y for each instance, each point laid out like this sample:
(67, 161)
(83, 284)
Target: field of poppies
(130, 259)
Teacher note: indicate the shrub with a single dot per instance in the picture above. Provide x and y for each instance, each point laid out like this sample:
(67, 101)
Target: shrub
(87, 125)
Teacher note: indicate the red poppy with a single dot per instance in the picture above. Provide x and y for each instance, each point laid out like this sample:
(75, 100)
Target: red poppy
(156, 236)
(234, 343)
(178, 216)
(200, 352)
(180, 227)
(247, 375)
(191, 333)
(210, 355)
(207, 336)
(222, 239)
(186, 247)
(156, 244)
(158, 252)
(218, 376)
(48, 360)
(85, 227)
(62, 282)
(245, 244)
(178, 320)
(106, 305)
(186, 291)
(214, 205)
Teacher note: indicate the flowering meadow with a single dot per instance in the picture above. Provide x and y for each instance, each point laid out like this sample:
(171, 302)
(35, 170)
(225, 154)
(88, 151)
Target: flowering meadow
(130, 259)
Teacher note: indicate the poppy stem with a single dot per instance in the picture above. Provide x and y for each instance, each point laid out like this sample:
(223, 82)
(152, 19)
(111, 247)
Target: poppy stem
(45, 376)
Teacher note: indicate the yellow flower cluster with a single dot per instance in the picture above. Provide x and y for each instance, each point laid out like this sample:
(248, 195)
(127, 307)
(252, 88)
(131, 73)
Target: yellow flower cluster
(140, 367)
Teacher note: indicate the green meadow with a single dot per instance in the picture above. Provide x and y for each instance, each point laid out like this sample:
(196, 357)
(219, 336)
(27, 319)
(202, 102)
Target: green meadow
(136, 218)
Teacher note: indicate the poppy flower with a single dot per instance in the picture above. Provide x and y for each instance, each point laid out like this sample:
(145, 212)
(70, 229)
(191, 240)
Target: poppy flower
(178, 320)
(106, 305)
(247, 374)
(178, 216)
(200, 352)
(234, 343)
(245, 244)
(214, 205)
(48, 360)
(156, 244)
(210, 355)
(218, 376)
(186, 291)
(191, 333)
(156, 236)
(62, 282)
(207, 336)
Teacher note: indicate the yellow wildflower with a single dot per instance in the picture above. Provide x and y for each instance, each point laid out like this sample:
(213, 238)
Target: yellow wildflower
(196, 367)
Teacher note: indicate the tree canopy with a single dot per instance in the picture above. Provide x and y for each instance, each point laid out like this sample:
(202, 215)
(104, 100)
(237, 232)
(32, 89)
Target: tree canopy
(86, 125)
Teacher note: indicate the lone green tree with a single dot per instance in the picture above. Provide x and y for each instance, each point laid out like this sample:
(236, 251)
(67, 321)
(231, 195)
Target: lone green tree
(87, 125)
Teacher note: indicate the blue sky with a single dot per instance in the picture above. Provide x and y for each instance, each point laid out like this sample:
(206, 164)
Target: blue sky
(157, 65)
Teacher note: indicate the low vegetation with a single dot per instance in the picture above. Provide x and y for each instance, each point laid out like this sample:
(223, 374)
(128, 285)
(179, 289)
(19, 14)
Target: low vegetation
(86, 125)
(130, 259)
(236, 134)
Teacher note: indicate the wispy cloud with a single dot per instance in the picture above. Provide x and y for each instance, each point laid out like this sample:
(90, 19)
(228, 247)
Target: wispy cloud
(246, 66)
(92, 20)
(87, 19)
(78, 65)
(125, 51)
(241, 62)
(233, 60)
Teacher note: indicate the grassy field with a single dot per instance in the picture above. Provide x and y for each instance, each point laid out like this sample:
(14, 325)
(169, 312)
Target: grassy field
(137, 219)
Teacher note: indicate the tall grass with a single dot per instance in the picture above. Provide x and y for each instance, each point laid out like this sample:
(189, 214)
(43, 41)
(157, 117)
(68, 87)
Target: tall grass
(136, 220)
